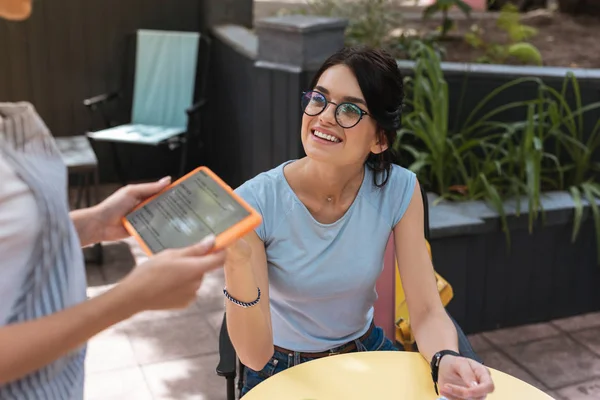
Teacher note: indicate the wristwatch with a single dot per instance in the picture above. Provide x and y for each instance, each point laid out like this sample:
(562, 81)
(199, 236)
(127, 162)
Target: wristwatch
(435, 365)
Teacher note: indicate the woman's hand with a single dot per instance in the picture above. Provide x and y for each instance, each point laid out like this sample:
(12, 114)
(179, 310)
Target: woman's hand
(171, 278)
(463, 378)
(110, 212)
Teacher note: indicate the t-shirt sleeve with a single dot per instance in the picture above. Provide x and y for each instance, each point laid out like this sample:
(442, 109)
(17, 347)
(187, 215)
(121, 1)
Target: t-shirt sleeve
(19, 227)
(251, 191)
(402, 185)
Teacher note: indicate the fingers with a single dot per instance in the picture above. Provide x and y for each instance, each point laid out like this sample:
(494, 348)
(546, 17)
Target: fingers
(477, 379)
(199, 249)
(142, 191)
(466, 373)
(486, 385)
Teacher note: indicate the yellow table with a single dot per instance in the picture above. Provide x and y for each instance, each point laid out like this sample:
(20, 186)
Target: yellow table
(376, 375)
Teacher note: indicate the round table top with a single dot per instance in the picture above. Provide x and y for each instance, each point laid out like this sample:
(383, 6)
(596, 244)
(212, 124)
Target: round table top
(373, 375)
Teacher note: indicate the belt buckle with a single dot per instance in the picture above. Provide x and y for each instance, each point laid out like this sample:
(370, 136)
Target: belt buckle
(334, 352)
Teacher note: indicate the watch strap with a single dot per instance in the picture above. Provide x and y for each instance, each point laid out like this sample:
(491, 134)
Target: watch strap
(435, 365)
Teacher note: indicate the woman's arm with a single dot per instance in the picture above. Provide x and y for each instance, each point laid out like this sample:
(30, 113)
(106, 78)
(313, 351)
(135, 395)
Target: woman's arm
(431, 325)
(459, 377)
(167, 280)
(88, 225)
(25, 349)
(249, 328)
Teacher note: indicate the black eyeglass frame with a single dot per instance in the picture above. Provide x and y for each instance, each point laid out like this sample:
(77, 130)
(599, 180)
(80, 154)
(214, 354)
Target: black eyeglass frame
(337, 106)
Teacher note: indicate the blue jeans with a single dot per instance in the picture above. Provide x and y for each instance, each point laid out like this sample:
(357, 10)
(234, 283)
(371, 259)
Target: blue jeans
(376, 341)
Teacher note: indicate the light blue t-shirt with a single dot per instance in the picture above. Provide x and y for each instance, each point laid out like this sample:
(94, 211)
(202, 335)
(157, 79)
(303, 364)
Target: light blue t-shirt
(322, 276)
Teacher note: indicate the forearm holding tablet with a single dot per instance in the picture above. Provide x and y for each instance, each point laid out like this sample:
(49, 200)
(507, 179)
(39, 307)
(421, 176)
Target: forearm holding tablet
(191, 208)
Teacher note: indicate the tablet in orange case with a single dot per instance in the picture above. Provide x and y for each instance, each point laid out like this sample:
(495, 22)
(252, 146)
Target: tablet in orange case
(188, 210)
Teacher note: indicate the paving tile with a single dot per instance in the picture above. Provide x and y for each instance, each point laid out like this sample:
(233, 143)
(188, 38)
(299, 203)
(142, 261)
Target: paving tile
(210, 294)
(189, 379)
(125, 384)
(215, 319)
(500, 362)
(521, 334)
(169, 339)
(480, 343)
(94, 275)
(584, 391)
(557, 361)
(579, 322)
(590, 338)
(109, 350)
(554, 395)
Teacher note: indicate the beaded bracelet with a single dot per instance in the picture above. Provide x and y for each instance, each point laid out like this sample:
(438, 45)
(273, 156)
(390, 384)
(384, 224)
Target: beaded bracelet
(241, 303)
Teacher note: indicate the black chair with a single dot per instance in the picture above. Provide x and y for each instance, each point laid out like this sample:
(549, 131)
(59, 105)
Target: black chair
(230, 367)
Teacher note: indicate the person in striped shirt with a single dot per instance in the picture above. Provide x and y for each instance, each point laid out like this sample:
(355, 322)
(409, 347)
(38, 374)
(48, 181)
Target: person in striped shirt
(45, 318)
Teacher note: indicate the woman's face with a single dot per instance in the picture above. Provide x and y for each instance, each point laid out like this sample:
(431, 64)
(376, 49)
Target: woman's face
(15, 9)
(339, 145)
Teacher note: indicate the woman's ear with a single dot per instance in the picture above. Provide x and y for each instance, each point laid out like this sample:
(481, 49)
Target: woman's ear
(381, 143)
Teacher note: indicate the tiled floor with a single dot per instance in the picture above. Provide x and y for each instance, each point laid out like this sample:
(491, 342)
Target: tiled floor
(172, 355)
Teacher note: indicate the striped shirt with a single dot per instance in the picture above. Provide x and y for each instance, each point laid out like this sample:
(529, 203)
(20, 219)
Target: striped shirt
(53, 274)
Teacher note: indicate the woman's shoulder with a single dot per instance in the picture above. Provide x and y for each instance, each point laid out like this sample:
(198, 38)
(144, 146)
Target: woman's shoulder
(267, 182)
(398, 177)
(400, 174)
(267, 194)
(393, 198)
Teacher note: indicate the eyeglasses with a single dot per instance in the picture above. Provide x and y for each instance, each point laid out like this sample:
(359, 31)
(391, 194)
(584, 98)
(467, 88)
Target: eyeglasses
(347, 114)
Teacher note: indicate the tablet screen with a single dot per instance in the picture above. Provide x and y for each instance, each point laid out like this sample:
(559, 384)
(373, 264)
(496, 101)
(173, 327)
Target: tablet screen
(186, 213)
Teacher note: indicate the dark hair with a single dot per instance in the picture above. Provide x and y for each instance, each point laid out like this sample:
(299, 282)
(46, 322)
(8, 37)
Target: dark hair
(381, 83)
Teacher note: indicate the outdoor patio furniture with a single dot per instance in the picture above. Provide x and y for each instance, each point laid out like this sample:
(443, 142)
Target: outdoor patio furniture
(230, 367)
(82, 163)
(163, 111)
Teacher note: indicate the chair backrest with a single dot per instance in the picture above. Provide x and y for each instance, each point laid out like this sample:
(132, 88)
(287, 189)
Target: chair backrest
(165, 75)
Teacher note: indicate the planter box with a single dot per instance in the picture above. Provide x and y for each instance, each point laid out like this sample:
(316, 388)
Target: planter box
(543, 276)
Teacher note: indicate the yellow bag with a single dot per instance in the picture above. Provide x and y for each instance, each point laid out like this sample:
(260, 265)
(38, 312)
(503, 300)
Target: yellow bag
(404, 334)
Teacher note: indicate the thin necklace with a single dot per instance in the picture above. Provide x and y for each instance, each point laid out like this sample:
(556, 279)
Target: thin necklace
(362, 178)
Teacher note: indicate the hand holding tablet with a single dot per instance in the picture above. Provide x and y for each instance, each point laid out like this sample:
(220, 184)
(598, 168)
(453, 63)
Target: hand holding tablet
(188, 210)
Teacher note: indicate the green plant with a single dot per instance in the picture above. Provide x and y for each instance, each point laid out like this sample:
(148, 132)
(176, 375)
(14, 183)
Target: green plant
(482, 160)
(486, 159)
(566, 124)
(517, 46)
(444, 7)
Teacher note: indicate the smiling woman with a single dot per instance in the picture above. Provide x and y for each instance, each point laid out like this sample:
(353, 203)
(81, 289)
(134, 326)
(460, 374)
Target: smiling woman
(302, 286)
(15, 9)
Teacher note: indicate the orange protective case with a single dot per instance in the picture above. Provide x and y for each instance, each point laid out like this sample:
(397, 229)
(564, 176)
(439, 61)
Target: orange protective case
(222, 240)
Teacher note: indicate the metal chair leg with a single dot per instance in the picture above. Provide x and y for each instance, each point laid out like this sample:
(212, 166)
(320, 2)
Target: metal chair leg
(230, 388)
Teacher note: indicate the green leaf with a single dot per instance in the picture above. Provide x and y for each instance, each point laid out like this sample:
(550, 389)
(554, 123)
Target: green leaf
(592, 191)
(576, 194)
(464, 7)
(525, 52)
(447, 26)
(431, 10)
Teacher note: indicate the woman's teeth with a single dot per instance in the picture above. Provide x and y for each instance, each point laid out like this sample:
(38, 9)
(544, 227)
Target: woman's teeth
(326, 136)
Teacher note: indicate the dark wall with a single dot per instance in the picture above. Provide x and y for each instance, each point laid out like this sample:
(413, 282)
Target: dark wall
(254, 114)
